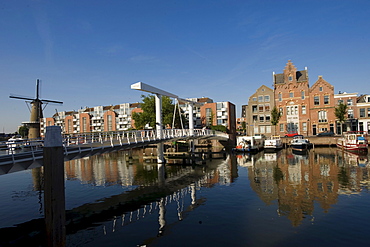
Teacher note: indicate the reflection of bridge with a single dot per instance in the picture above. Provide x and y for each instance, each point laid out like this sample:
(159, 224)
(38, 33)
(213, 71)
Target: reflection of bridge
(26, 155)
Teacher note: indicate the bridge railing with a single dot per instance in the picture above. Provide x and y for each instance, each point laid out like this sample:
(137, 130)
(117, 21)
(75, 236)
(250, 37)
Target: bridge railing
(103, 139)
(132, 136)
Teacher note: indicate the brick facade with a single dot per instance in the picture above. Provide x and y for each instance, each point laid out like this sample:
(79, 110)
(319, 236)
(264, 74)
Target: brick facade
(292, 98)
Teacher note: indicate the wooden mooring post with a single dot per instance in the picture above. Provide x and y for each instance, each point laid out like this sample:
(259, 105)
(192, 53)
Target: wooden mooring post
(54, 191)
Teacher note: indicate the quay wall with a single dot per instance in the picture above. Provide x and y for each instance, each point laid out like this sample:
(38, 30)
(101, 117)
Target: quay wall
(318, 140)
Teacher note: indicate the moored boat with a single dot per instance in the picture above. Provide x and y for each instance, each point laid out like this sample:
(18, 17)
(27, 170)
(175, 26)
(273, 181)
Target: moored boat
(15, 142)
(300, 143)
(273, 143)
(249, 143)
(354, 141)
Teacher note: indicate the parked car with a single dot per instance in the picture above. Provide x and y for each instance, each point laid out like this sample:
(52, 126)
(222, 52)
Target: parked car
(326, 133)
(291, 134)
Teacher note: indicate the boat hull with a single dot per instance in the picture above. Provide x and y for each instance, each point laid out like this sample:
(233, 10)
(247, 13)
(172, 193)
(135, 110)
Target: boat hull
(354, 147)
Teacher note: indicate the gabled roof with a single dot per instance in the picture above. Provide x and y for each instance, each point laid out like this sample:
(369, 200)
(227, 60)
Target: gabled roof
(302, 76)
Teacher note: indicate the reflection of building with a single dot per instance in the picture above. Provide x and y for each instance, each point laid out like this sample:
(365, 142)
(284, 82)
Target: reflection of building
(296, 182)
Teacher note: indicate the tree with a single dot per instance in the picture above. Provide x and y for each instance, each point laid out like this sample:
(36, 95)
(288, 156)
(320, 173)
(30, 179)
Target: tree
(23, 131)
(244, 126)
(148, 114)
(275, 117)
(341, 114)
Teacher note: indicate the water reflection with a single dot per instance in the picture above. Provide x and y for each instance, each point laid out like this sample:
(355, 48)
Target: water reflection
(115, 192)
(298, 181)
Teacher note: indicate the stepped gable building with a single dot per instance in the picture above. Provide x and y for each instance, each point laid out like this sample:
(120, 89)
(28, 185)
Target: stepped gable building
(292, 99)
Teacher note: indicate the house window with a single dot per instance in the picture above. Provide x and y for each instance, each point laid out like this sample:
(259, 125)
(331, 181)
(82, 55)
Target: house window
(268, 129)
(281, 110)
(280, 97)
(304, 126)
(281, 127)
(260, 108)
(254, 99)
(368, 112)
(84, 124)
(349, 102)
(303, 109)
(268, 118)
(262, 118)
(322, 117)
(320, 89)
(340, 102)
(110, 123)
(316, 100)
(254, 108)
(254, 118)
(262, 129)
(267, 107)
(362, 112)
(290, 78)
(291, 94)
(302, 95)
(267, 98)
(350, 113)
(260, 98)
(326, 99)
(70, 126)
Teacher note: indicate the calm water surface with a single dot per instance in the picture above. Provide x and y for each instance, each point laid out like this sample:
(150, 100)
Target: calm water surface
(319, 198)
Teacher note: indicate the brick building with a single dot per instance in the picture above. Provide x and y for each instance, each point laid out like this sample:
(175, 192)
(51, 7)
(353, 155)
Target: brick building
(291, 89)
(322, 108)
(219, 113)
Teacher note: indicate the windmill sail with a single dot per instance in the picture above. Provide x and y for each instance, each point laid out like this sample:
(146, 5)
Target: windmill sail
(36, 112)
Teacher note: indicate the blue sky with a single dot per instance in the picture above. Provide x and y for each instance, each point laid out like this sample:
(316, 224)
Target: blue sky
(88, 52)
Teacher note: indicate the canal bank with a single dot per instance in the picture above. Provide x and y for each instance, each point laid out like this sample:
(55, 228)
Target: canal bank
(322, 141)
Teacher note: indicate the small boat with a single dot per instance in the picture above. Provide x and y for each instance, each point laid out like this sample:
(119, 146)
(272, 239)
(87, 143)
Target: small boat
(273, 143)
(249, 143)
(354, 141)
(15, 142)
(299, 143)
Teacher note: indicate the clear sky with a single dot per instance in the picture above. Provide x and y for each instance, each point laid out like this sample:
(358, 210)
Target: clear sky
(89, 52)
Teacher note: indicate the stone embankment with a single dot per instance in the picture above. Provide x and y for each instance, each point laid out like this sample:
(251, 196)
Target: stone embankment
(319, 140)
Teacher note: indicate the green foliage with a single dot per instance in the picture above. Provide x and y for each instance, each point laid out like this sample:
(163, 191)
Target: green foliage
(23, 131)
(244, 126)
(275, 116)
(148, 114)
(341, 112)
(278, 174)
(219, 128)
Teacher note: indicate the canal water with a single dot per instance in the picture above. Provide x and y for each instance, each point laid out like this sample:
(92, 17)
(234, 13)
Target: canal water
(318, 198)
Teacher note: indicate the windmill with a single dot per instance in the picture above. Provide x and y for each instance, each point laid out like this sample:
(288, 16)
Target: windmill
(36, 112)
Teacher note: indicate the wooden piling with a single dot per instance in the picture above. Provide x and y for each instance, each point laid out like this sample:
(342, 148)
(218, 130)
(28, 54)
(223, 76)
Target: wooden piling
(54, 192)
